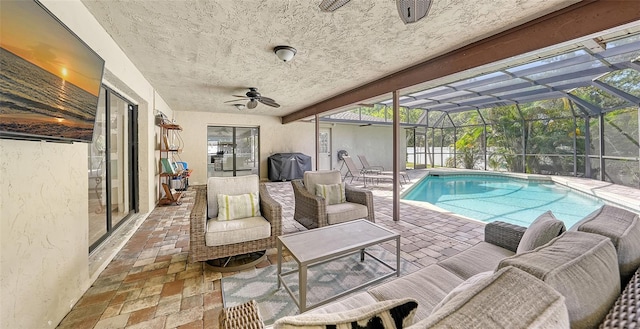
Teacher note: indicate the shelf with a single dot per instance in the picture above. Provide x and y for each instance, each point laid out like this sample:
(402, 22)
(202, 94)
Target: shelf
(171, 126)
(183, 173)
(170, 197)
(166, 202)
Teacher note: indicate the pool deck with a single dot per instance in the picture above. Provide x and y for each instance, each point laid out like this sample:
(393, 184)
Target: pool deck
(148, 283)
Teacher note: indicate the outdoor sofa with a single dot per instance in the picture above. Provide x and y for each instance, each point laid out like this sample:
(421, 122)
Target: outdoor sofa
(543, 278)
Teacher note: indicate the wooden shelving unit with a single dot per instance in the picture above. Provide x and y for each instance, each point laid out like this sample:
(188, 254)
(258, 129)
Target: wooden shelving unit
(168, 196)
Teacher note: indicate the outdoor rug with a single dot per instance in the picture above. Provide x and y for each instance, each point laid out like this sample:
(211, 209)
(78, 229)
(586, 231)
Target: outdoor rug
(323, 281)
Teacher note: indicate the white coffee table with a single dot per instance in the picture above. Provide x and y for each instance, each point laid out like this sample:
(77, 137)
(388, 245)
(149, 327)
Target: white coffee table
(318, 246)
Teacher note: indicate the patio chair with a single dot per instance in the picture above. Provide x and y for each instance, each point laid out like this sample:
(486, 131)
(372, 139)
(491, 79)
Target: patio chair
(354, 172)
(313, 211)
(379, 169)
(212, 238)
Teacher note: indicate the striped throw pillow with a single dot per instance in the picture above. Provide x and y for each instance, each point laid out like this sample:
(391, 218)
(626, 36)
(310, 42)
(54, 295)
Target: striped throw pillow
(332, 194)
(238, 206)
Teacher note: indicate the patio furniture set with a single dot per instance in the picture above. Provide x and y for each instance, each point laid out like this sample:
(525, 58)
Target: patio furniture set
(540, 277)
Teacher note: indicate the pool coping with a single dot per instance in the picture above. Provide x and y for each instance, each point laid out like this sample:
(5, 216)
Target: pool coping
(611, 194)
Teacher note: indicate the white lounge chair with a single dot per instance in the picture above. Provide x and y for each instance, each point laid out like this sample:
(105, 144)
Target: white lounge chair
(379, 169)
(354, 172)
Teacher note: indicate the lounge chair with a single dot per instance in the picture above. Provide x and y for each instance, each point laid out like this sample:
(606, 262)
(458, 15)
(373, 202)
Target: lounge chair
(354, 172)
(379, 169)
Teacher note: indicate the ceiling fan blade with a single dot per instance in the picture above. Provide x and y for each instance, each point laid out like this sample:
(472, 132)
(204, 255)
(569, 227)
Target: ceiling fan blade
(240, 96)
(268, 101)
(233, 101)
(252, 104)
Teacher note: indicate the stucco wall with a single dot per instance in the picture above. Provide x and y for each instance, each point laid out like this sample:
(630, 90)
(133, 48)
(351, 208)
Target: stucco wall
(374, 142)
(44, 231)
(274, 138)
(44, 195)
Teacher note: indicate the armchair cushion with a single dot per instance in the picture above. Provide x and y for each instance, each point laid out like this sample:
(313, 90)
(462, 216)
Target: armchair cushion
(229, 186)
(332, 193)
(344, 212)
(225, 232)
(312, 178)
(238, 206)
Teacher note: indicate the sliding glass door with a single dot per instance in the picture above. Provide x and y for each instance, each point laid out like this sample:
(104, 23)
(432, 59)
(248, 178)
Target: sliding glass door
(233, 151)
(113, 191)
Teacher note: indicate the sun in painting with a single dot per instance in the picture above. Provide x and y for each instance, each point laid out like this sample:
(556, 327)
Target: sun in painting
(64, 73)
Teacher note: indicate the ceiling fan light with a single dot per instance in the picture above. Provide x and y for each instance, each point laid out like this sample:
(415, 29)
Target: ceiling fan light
(331, 5)
(252, 104)
(412, 11)
(285, 53)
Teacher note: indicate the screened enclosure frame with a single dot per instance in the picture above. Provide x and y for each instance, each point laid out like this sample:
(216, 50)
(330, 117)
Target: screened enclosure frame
(590, 88)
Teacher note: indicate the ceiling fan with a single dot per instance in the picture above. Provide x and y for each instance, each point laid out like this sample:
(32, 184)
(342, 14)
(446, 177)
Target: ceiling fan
(410, 11)
(254, 97)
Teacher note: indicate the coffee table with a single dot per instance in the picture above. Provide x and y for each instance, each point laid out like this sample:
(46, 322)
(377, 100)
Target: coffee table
(321, 245)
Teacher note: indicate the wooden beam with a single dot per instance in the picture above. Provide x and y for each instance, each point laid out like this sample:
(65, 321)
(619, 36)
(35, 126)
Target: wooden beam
(578, 20)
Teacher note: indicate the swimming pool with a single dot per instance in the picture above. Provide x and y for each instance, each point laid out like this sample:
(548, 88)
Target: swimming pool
(490, 198)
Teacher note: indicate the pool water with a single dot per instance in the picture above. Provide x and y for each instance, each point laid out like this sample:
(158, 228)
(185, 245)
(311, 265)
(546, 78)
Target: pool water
(491, 198)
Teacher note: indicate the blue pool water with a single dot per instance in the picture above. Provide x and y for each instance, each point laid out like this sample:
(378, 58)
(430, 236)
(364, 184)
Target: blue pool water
(491, 198)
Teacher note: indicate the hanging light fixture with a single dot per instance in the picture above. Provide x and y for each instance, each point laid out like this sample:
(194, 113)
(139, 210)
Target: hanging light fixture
(331, 5)
(285, 53)
(412, 11)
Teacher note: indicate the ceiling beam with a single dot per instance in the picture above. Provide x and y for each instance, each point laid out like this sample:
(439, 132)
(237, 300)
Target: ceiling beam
(578, 20)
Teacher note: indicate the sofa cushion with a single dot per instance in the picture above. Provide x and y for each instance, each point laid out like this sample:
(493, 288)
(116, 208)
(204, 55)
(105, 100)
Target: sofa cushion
(220, 233)
(623, 228)
(544, 229)
(230, 186)
(466, 284)
(351, 302)
(344, 212)
(332, 193)
(481, 257)
(510, 298)
(238, 206)
(428, 286)
(583, 267)
(395, 314)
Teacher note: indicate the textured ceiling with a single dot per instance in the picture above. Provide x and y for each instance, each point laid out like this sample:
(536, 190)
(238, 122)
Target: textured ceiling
(197, 54)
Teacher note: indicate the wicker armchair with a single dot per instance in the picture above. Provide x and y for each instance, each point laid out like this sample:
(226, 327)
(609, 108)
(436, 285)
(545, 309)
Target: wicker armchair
(312, 211)
(204, 211)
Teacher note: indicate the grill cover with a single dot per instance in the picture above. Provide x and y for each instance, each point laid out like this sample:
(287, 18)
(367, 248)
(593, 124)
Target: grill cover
(288, 166)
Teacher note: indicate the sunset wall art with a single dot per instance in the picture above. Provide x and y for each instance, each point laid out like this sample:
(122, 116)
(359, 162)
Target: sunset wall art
(49, 79)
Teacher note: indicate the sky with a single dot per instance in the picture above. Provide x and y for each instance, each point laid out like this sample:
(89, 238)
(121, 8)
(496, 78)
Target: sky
(30, 32)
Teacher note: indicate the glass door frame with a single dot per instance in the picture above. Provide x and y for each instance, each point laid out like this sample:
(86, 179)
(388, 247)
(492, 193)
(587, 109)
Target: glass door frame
(234, 145)
(132, 173)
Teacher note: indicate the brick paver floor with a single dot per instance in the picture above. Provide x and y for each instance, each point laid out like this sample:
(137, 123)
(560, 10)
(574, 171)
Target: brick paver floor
(150, 284)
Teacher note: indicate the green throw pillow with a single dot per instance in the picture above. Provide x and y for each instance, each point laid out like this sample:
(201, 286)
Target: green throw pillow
(238, 206)
(332, 194)
(389, 314)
